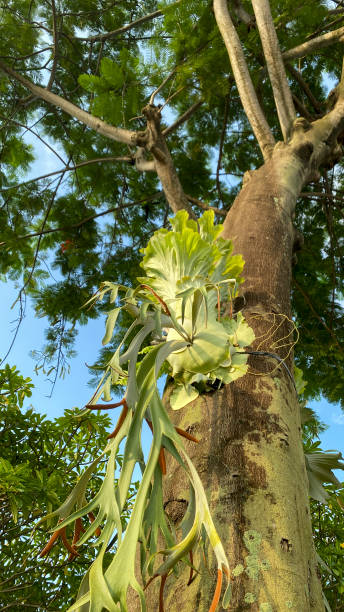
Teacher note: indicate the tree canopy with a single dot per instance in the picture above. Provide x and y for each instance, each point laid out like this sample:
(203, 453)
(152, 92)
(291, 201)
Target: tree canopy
(94, 214)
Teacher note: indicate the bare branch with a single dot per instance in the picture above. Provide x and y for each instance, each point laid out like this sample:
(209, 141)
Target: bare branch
(273, 57)
(315, 44)
(302, 109)
(298, 77)
(243, 80)
(32, 131)
(129, 26)
(315, 313)
(222, 140)
(204, 206)
(27, 281)
(242, 14)
(325, 27)
(319, 195)
(166, 80)
(182, 118)
(142, 164)
(99, 126)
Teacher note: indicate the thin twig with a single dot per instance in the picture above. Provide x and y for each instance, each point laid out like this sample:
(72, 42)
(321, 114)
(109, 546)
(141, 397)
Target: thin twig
(222, 140)
(39, 240)
(87, 162)
(182, 118)
(55, 46)
(298, 77)
(90, 218)
(309, 302)
(217, 211)
(29, 129)
(162, 84)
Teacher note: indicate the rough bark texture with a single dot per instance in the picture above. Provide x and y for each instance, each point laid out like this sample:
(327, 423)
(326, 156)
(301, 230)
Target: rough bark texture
(154, 142)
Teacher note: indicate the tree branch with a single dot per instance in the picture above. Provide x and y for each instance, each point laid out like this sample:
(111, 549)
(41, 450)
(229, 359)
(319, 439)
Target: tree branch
(302, 109)
(204, 206)
(129, 26)
(320, 319)
(154, 196)
(27, 281)
(222, 140)
(273, 57)
(66, 228)
(243, 80)
(315, 44)
(31, 130)
(70, 169)
(242, 14)
(99, 126)
(318, 195)
(162, 84)
(182, 118)
(163, 163)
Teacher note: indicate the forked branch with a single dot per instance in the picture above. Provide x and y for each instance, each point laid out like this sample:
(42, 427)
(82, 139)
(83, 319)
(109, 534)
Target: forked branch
(152, 139)
(273, 57)
(243, 80)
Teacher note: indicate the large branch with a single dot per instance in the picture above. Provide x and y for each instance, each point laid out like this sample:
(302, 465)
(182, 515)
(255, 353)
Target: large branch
(163, 163)
(243, 80)
(273, 57)
(96, 124)
(315, 44)
(152, 139)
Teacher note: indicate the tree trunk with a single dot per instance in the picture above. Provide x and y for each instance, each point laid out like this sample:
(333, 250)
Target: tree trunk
(250, 455)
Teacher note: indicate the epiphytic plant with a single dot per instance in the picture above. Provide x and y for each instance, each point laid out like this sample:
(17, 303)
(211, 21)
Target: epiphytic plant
(190, 273)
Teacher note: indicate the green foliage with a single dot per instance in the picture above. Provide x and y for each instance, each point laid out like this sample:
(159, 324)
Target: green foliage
(39, 459)
(327, 502)
(328, 529)
(116, 90)
(114, 78)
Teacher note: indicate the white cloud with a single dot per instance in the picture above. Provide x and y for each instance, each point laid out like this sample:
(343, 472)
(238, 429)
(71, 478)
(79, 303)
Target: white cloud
(337, 418)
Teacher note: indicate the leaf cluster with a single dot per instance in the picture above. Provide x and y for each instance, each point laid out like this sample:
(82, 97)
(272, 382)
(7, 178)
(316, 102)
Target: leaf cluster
(39, 460)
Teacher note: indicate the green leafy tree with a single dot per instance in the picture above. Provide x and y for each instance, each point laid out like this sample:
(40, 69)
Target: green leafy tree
(39, 459)
(186, 106)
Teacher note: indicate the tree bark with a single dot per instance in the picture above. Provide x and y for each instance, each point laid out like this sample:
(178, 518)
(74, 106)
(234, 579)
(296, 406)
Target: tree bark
(250, 455)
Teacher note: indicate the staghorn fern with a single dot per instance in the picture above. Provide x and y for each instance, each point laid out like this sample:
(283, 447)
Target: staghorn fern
(190, 272)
